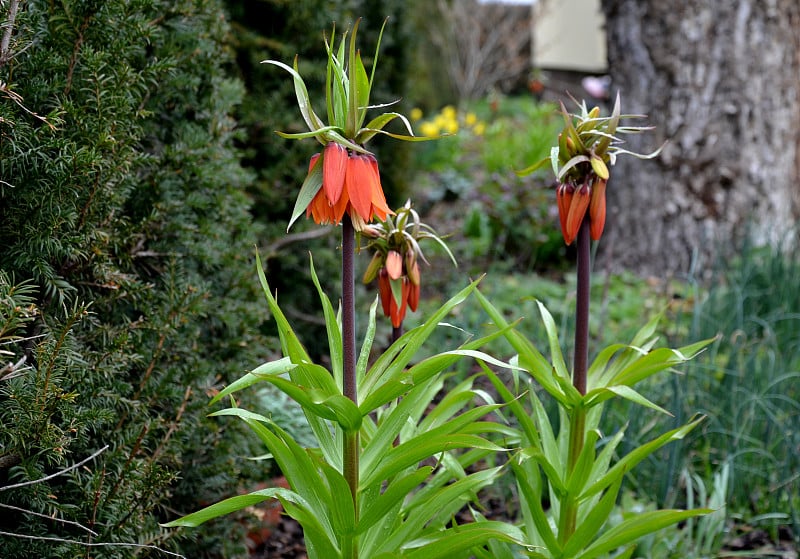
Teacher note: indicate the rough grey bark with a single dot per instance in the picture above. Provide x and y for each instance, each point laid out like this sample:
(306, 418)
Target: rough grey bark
(720, 82)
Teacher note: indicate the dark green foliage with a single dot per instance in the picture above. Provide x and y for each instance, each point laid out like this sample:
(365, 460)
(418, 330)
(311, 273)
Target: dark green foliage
(126, 275)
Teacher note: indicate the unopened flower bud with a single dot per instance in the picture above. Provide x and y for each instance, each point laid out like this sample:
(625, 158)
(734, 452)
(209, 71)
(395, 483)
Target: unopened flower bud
(372, 268)
(394, 264)
(597, 209)
(577, 211)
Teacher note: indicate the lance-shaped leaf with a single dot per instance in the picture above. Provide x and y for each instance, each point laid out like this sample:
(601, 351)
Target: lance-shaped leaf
(301, 92)
(311, 186)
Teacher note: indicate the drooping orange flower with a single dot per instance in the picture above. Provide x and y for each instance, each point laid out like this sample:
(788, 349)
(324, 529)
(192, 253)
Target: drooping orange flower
(587, 147)
(597, 209)
(391, 309)
(334, 165)
(573, 201)
(564, 194)
(363, 184)
(347, 179)
(396, 260)
(351, 183)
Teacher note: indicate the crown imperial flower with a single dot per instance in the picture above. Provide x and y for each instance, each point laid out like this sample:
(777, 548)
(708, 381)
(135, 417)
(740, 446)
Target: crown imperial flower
(344, 178)
(587, 146)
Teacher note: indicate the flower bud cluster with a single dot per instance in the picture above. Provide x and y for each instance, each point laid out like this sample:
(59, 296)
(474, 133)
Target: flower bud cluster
(395, 260)
(587, 147)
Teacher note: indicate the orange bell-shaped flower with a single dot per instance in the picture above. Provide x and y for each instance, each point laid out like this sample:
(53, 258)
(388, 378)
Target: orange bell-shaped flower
(363, 186)
(597, 209)
(334, 165)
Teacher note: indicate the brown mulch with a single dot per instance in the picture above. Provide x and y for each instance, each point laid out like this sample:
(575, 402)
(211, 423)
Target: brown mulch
(760, 544)
(284, 542)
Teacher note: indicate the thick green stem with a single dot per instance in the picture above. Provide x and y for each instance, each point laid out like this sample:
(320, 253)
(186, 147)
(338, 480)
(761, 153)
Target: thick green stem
(568, 516)
(350, 450)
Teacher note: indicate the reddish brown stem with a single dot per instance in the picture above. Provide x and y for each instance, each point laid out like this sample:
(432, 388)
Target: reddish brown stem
(581, 360)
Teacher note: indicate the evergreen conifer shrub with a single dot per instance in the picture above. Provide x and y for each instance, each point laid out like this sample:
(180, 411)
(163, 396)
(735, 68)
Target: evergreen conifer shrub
(125, 276)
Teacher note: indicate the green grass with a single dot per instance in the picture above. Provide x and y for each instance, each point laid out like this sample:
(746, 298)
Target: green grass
(747, 385)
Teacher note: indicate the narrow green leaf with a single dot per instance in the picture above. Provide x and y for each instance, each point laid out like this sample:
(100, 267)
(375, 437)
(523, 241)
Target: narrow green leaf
(316, 534)
(551, 472)
(332, 327)
(461, 538)
(428, 512)
(342, 511)
(304, 102)
(531, 168)
(600, 395)
(555, 345)
(393, 496)
(277, 367)
(319, 134)
(593, 522)
(311, 186)
(548, 439)
(395, 360)
(363, 91)
(380, 121)
(648, 365)
(293, 461)
(405, 455)
(529, 357)
(331, 406)
(611, 127)
(353, 94)
(366, 134)
(530, 486)
(366, 347)
(290, 344)
(583, 467)
(574, 161)
(377, 52)
(635, 527)
(630, 460)
(598, 368)
(232, 504)
(398, 384)
(529, 436)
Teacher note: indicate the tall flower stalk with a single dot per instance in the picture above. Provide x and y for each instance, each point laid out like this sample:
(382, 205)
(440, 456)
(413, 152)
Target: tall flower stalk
(343, 185)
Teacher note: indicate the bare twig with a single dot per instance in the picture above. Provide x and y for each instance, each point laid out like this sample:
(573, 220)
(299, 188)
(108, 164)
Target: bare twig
(11, 370)
(485, 44)
(5, 42)
(51, 476)
(89, 530)
(91, 544)
(276, 245)
(17, 98)
(61, 520)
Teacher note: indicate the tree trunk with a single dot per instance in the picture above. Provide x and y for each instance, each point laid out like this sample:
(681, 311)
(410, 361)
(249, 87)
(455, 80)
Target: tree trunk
(719, 80)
